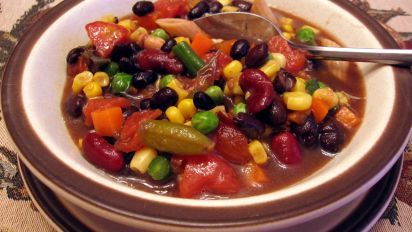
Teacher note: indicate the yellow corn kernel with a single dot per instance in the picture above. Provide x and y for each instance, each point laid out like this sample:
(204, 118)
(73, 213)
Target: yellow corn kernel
(109, 19)
(81, 80)
(93, 89)
(227, 91)
(285, 20)
(174, 115)
(187, 108)
(287, 35)
(102, 78)
(313, 29)
(225, 2)
(280, 59)
(188, 123)
(238, 99)
(193, 3)
(270, 69)
(230, 9)
(343, 99)
(181, 39)
(297, 100)
(237, 90)
(153, 42)
(129, 24)
(177, 86)
(80, 144)
(142, 158)
(218, 109)
(232, 70)
(327, 95)
(300, 85)
(287, 28)
(139, 35)
(258, 152)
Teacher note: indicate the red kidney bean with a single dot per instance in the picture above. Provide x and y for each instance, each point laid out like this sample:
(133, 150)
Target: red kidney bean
(260, 88)
(286, 148)
(308, 132)
(257, 56)
(158, 60)
(331, 136)
(101, 153)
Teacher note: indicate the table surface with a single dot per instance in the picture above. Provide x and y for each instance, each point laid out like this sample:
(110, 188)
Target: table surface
(18, 213)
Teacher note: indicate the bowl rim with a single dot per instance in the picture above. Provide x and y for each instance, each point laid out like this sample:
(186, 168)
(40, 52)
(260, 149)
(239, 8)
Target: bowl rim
(20, 129)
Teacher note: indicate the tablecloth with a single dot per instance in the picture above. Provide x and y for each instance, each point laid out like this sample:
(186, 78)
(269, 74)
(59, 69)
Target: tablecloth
(18, 213)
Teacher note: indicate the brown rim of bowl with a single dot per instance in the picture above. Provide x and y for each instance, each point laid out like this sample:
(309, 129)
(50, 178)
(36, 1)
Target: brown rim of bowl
(340, 191)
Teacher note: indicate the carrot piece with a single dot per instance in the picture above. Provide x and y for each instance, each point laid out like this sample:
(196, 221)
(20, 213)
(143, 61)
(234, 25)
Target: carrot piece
(298, 117)
(225, 46)
(107, 122)
(201, 44)
(347, 117)
(319, 109)
(254, 174)
(102, 103)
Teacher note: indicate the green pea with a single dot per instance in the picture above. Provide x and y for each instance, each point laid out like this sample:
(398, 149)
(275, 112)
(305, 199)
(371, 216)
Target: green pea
(159, 168)
(121, 82)
(111, 69)
(159, 32)
(166, 80)
(312, 86)
(306, 35)
(205, 121)
(322, 85)
(239, 108)
(216, 93)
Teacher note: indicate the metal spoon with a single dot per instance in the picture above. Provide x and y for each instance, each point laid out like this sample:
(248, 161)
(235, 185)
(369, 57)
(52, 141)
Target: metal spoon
(256, 28)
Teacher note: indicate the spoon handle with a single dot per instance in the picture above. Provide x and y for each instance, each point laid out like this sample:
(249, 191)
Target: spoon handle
(400, 57)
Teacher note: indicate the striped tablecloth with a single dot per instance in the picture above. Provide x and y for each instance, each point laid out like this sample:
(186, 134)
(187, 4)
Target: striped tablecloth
(18, 213)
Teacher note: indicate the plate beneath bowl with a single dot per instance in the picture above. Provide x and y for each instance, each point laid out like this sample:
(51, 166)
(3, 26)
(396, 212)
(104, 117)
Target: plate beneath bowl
(362, 219)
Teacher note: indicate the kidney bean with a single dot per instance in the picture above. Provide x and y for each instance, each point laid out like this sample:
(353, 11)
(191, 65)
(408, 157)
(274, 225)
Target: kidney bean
(243, 6)
(284, 81)
(250, 125)
(239, 49)
(158, 60)
(177, 164)
(276, 114)
(143, 8)
(215, 7)
(286, 148)
(74, 55)
(331, 136)
(228, 103)
(101, 153)
(198, 10)
(203, 101)
(142, 79)
(74, 105)
(307, 132)
(257, 56)
(164, 98)
(260, 88)
(168, 45)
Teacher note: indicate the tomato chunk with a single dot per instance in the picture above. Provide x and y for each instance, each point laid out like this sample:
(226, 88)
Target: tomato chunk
(295, 59)
(207, 173)
(100, 104)
(105, 36)
(171, 8)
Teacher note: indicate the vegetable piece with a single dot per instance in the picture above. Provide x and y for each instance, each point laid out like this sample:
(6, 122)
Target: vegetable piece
(295, 59)
(152, 42)
(111, 69)
(207, 173)
(81, 80)
(216, 93)
(239, 108)
(121, 82)
(158, 60)
(298, 117)
(205, 121)
(174, 115)
(331, 136)
(286, 148)
(189, 58)
(201, 44)
(101, 153)
(187, 108)
(105, 36)
(159, 168)
(279, 58)
(102, 103)
(171, 8)
(174, 138)
(166, 80)
(232, 70)
(225, 46)
(178, 88)
(107, 122)
(102, 78)
(250, 125)
(142, 159)
(160, 33)
(93, 89)
(297, 100)
(258, 152)
(270, 68)
(319, 109)
(300, 85)
(328, 96)
(148, 21)
(254, 175)
(347, 117)
(130, 138)
(306, 35)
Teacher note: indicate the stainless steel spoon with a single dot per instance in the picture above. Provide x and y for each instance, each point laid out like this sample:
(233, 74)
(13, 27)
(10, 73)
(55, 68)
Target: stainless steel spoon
(254, 27)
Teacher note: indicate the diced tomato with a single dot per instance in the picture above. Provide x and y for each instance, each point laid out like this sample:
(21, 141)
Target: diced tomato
(222, 59)
(295, 59)
(100, 104)
(171, 8)
(105, 36)
(207, 173)
(148, 21)
(129, 139)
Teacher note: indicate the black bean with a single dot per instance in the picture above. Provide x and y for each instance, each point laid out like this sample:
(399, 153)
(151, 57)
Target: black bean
(143, 8)
(168, 45)
(228, 103)
(250, 125)
(121, 50)
(215, 7)
(331, 136)
(74, 55)
(203, 101)
(239, 49)
(243, 6)
(257, 56)
(142, 79)
(220, 82)
(135, 48)
(308, 132)
(276, 114)
(128, 157)
(74, 105)
(198, 10)
(164, 98)
(145, 104)
(284, 81)
(126, 65)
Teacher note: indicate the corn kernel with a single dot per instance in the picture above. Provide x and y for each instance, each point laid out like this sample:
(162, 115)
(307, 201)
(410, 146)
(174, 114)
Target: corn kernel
(287, 28)
(218, 109)
(188, 123)
(102, 78)
(139, 35)
(81, 80)
(280, 59)
(270, 69)
(227, 91)
(258, 152)
(142, 158)
(230, 9)
(297, 100)
(80, 144)
(285, 20)
(225, 2)
(343, 99)
(187, 108)
(174, 115)
(326, 95)
(239, 99)
(232, 70)
(287, 35)
(300, 85)
(177, 86)
(109, 19)
(152, 42)
(236, 89)
(181, 39)
(93, 89)
(129, 24)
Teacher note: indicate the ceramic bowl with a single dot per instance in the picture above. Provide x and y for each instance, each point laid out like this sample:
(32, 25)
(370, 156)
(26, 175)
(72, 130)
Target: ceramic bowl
(32, 91)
